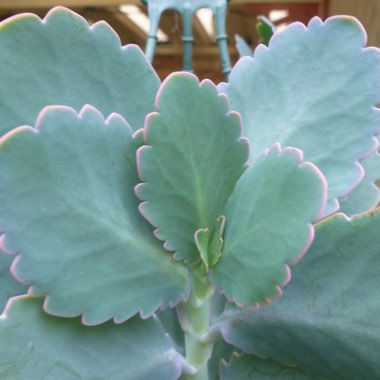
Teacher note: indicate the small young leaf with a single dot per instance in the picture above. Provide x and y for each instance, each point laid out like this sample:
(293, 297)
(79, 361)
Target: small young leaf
(62, 60)
(315, 89)
(193, 158)
(39, 346)
(328, 320)
(210, 248)
(268, 227)
(202, 237)
(216, 243)
(69, 210)
(265, 28)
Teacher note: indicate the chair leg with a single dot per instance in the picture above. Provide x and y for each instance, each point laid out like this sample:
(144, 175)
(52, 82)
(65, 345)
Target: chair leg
(222, 38)
(220, 12)
(154, 21)
(187, 39)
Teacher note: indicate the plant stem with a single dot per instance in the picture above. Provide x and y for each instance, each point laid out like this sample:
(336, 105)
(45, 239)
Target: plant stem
(194, 317)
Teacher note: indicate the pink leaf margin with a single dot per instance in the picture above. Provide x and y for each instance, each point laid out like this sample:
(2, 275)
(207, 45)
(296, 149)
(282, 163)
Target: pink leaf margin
(146, 147)
(92, 28)
(318, 22)
(85, 320)
(298, 153)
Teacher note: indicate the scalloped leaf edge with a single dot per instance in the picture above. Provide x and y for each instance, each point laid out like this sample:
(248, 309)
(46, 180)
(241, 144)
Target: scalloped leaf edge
(3, 239)
(298, 153)
(317, 21)
(142, 205)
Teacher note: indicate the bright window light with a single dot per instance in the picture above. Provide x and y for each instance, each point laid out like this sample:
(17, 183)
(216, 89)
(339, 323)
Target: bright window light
(282, 26)
(278, 14)
(135, 14)
(205, 17)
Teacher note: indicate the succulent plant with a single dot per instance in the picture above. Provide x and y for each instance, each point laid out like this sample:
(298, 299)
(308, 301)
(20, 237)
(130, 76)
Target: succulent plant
(151, 230)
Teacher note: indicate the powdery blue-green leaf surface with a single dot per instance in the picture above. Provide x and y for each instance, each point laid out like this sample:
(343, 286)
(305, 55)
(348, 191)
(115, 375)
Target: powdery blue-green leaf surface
(328, 321)
(9, 286)
(367, 194)
(40, 346)
(242, 47)
(170, 322)
(315, 89)
(269, 225)
(192, 159)
(62, 61)
(222, 352)
(74, 222)
(251, 367)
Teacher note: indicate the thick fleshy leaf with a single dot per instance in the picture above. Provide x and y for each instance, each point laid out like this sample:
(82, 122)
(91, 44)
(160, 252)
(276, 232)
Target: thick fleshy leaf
(9, 286)
(268, 227)
(328, 320)
(248, 367)
(367, 194)
(315, 89)
(36, 345)
(68, 209)
(193, 158)
(62, 61)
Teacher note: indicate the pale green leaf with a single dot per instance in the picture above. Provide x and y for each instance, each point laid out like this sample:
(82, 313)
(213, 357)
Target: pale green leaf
(251, 367)
(216, 242)
(61, 60)
(315, 89)
(210, 247)
(242, 47)
(170, 322)
(269, 225)
(193, 158)
(367, 194)
(9, 286)
(222, 352)
(69, 210)
(328, 321)
(202, 238)
(35, 345)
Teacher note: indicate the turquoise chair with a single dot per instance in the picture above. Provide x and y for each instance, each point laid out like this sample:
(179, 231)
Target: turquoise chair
(187, 8)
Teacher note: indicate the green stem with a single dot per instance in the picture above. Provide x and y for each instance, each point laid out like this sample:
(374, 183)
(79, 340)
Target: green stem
(194, 317)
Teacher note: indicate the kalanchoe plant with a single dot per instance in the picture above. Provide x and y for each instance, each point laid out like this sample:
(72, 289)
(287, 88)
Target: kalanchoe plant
(153, 226)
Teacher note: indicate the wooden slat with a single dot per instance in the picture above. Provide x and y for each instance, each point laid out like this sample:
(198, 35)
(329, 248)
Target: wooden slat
(242, 23)
(17, 4)
(171, 24)
(375, 27)
(324, 9)
(205, 51)
(32, 4)
(297, 12)
(200, 34)
(274, 1)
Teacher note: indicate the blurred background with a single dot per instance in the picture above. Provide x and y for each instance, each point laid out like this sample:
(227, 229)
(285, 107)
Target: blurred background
(129, 19)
